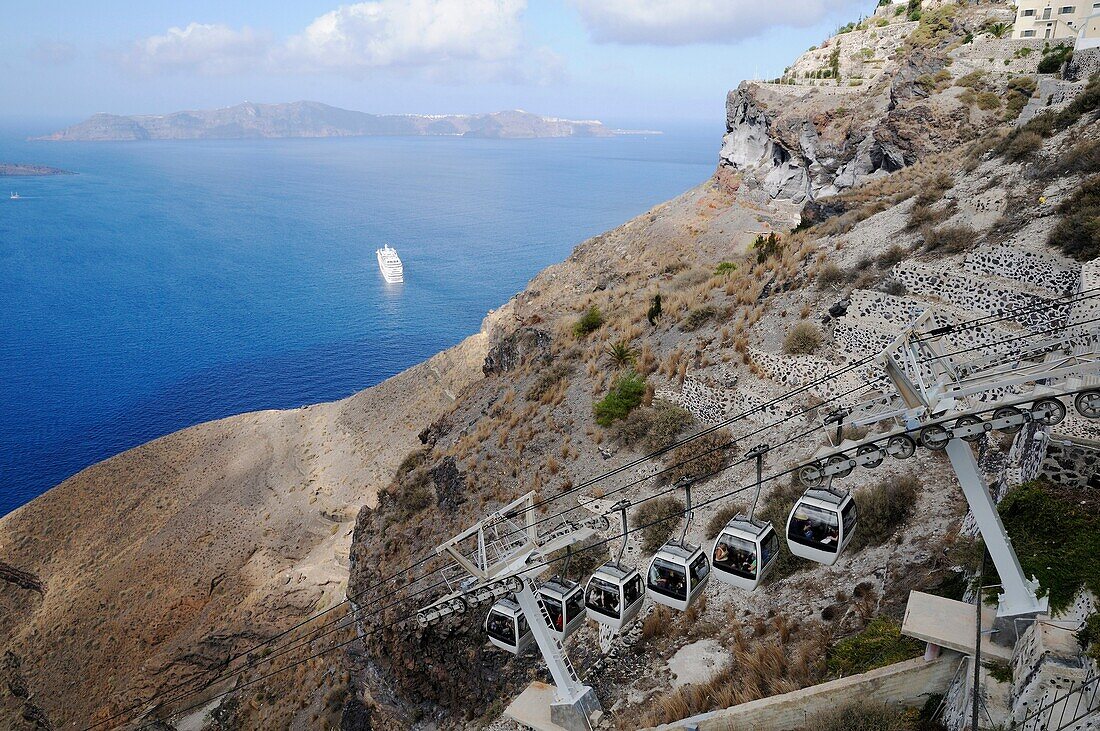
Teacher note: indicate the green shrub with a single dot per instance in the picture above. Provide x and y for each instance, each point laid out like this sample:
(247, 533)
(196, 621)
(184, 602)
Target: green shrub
(1025, 85)
(949, 239)
(1078, 233)
(589, 323)
(697, 317)
(1089, 636)
(987, 100)
(656, 520)
(999, 670)
(882, 509)
(700, 457)
(970, 80)
(653, 427)
(1084, 157)
(620, 353)
(766, 247)
(1054, 57)
(1023, 144)
(864, 716)
(1056, 534)
(725, 268)
(653, 314)
(879, 644)
(625, 395)
(802, 339)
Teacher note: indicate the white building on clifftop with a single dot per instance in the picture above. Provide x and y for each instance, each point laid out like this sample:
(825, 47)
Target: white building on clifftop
(1053, 19)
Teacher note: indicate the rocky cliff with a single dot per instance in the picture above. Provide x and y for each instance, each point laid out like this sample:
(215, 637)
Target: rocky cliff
(311, 119)
(871, 100)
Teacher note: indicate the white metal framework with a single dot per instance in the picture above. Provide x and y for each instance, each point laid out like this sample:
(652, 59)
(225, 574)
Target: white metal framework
(948, 399)
(506, 556)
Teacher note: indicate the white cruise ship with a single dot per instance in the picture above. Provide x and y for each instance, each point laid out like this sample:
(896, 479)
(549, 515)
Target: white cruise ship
(390, 264)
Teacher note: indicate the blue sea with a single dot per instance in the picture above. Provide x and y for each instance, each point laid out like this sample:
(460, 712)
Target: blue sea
(170, 283)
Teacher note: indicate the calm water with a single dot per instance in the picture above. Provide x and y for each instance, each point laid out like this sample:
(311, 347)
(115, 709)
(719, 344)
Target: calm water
(172, 283)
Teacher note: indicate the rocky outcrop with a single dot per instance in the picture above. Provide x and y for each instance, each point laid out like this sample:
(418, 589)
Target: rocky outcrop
(20, 578)
(527, 344)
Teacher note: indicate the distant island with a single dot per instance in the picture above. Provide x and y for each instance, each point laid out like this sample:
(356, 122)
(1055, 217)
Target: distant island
(313, 119)
(12, 169)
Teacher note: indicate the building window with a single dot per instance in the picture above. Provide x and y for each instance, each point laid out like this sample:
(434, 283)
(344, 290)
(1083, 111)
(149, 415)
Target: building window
(1067, 9)
(1031, 13)
(1028, 34)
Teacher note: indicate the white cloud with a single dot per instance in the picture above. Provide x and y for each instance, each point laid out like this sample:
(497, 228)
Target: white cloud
(682, 22)
(441, 40)
(202, 48)
(411, 33)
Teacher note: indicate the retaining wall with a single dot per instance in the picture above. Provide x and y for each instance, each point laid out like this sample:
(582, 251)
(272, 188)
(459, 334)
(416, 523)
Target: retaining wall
(906, 683)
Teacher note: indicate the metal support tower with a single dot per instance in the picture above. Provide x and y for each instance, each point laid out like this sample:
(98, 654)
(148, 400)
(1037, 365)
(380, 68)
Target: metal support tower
(508, 552)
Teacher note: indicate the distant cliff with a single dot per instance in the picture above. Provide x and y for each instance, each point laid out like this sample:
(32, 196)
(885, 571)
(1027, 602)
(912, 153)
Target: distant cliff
(313, 119)
(12, 169)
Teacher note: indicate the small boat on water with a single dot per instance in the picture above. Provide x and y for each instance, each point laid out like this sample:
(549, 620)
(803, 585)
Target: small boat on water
(15, 196)
(390, 264)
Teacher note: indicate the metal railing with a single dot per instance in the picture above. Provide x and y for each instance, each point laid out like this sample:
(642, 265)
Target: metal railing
(1079, 702)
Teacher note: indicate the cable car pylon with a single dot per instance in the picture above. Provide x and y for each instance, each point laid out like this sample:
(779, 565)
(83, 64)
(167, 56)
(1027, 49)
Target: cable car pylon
(939, 396)
(506, 557)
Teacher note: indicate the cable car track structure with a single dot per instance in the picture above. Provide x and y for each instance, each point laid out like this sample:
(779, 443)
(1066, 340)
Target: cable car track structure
(1082, 362)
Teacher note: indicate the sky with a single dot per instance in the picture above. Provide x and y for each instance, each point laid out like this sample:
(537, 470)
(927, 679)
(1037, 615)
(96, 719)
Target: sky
(622, 61)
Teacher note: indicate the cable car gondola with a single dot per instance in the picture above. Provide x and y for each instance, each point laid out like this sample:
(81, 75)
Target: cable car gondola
(564, 603)
(507, 628)
(744, 552)
(677, 575)
(679, 571)
(614, 594)
(821, 524)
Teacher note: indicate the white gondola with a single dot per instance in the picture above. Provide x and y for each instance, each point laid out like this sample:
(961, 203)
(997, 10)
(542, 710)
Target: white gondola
(821, 524)
(507, 628)
(744, 552)
(678, 573)
(564, 603)
(614, 595)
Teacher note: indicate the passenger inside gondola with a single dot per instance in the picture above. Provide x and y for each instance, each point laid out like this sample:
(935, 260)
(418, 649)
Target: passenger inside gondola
(668, 579)
(737, 556)
(815, 526)
(603, 597)
(501, 627)
(554, 609)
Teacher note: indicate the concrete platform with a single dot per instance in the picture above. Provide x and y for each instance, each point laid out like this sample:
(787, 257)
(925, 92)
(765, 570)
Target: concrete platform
(531, 708)
(950, 624)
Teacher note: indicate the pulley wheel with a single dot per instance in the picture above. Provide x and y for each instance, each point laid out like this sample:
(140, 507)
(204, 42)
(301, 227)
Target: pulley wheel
(1056, 411)
(840, 459)
(934, 437)
(810, 475)
(1087, 404)
(871, 449)
(970, 420)
(1005, 412)
(901, 446)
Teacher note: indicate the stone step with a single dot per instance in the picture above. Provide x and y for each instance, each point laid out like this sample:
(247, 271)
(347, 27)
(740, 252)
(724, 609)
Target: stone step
(987, 295)
(1041, 273)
